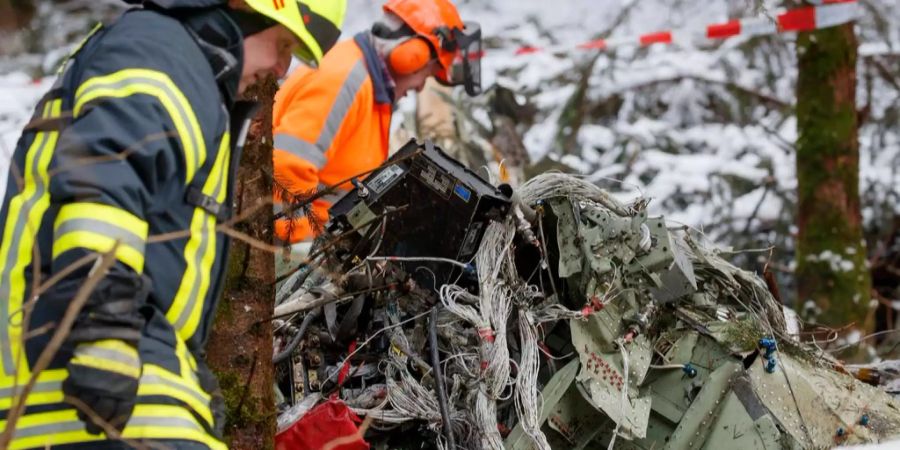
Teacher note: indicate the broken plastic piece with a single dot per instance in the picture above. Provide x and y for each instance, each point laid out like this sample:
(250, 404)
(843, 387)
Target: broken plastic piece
(689, 370)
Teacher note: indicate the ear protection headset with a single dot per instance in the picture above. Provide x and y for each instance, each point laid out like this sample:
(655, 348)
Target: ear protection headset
(410, 56)
(411, 53)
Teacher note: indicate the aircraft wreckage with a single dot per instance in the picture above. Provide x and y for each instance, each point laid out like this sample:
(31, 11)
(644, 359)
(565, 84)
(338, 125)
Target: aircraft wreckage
(449, 313)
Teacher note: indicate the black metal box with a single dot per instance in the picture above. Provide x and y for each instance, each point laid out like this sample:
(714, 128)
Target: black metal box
(426, 203)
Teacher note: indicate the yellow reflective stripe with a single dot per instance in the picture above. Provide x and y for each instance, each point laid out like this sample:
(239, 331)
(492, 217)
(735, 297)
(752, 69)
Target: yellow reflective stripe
(41, 430)
(111, 355)
(186, 360)
(65, 61)
(125, 83)
(106, 364)
(168, 422)
(158, 381)
(110, 214)
(23, 219)
(100, 243)
(199, 252)
(47, 389)
(97, 227)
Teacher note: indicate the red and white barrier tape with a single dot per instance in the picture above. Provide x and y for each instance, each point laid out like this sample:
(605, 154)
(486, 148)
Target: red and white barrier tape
(826, 13)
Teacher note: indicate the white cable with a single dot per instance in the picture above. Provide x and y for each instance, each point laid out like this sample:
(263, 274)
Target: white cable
(528, 401)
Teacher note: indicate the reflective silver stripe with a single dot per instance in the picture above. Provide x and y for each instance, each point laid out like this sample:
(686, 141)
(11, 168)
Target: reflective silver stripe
(277, 208)
(98, 226)
(168, 422)
(108, 354)
(15, 242)
(40, 386)
(204, 239)
(75, 425)
(342, 103)
(184, 117)
(301, 149)
(48, 429)
(150, 378)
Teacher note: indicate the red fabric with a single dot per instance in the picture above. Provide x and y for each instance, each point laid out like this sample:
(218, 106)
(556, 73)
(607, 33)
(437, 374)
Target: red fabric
(324, 423)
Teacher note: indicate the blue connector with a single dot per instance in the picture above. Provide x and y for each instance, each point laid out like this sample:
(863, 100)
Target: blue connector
(768, 344)
(864, 420)
(840, 432)
(771, 364)
(689, 370)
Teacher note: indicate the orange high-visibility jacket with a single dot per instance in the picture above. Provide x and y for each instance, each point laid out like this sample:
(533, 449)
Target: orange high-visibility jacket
(330, 124)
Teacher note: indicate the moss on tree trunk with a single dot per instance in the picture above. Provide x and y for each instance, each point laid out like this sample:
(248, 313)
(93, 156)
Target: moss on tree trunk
(831, 254)
(240, 347)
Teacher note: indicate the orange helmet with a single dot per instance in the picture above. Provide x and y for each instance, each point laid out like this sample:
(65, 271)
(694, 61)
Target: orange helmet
(456, 44)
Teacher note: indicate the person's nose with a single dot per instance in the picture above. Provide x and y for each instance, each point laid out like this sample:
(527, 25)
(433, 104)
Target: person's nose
(282, 65)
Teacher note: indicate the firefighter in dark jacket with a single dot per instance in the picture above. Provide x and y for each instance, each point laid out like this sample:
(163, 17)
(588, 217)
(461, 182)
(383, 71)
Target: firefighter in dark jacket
(136, 143)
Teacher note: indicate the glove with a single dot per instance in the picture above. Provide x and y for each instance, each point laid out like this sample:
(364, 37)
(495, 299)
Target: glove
(105, 368)
(103, 378)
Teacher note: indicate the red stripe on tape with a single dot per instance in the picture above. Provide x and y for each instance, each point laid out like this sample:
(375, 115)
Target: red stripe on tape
(724, 30)
(801, 19)
(599, 44)
(663, 37)
(527, 50)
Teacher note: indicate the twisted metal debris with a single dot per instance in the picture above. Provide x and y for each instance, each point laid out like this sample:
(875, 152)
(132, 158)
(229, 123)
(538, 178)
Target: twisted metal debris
(581, 322)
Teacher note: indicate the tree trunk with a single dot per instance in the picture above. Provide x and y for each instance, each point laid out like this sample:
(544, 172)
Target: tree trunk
(15, 14)
(831, 253)
(240, 347)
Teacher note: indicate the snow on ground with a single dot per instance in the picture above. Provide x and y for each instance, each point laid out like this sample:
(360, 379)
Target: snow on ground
(679, 134)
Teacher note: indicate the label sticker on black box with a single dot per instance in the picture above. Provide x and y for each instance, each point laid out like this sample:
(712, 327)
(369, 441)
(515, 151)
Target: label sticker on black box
(384, 178)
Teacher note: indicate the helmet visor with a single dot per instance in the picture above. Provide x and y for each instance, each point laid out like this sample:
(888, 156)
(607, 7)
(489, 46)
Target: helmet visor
(466, 67)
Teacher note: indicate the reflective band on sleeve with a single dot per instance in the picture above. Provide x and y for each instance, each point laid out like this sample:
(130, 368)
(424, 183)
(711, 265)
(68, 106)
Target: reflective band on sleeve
(125, 83)
(342, 104)
(23, 220)
(149, 421)
(97, 227)
(199, 252)
(109, 355)
(158, 381)
(301, 149)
